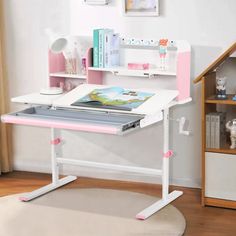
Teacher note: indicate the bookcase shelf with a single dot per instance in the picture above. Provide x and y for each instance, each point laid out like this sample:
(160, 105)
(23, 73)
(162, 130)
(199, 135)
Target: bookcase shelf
(66, 75)
(177, 67)
(148, 47)
(58, 65)
(228, 101)
(129, 72)
(225, 149)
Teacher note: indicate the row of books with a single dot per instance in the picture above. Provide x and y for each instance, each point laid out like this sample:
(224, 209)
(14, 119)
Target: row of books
(215, 129)
(106, 47)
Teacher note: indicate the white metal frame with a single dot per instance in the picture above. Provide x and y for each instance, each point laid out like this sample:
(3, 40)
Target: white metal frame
(166, 196)
(57, 160)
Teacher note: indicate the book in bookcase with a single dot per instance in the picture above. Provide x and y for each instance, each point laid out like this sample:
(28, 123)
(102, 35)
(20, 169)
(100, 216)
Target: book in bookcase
(208, 131)
(215, 129)
(220, 136)
(212, 124)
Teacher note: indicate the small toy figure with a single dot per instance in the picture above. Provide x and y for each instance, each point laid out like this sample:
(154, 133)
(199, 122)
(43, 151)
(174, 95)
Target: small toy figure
(231, 127)
(221, 88)
(162, 52)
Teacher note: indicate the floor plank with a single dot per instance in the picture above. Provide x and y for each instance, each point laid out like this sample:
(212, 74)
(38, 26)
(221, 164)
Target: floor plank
(204, 221)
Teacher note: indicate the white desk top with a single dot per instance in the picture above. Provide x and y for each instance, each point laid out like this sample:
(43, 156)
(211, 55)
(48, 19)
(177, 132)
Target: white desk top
(156, 103)
(36, 98)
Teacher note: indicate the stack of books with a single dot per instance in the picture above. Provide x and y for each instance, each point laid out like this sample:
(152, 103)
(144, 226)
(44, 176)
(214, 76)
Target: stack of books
(106, 47)
(215, 129)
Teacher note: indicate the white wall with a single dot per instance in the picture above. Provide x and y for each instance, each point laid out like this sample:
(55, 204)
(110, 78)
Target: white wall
(207, 25)
(28, 68)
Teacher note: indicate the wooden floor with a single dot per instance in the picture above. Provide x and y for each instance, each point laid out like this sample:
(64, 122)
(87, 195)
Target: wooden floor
(201, 221)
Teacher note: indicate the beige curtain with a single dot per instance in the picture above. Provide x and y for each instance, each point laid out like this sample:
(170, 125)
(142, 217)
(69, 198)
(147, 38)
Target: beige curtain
(5, 130)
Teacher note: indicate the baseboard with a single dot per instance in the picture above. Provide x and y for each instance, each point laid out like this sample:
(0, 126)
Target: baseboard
(98, 173)
(185, 182)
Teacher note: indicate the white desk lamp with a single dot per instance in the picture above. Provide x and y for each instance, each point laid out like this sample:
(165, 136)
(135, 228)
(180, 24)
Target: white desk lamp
(57, 44)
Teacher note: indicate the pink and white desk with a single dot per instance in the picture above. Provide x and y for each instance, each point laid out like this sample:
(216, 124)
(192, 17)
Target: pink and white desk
(56, 113)
(61, 115)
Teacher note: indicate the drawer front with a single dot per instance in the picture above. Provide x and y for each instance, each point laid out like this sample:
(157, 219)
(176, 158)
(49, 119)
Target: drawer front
(99, 122)
(220, 176)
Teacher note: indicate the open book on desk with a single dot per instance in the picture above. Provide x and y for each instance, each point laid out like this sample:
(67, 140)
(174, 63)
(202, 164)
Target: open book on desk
(114, 98)
(152, 105)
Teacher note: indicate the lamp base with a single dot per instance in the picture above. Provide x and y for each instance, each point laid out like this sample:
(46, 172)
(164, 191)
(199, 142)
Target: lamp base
(51, 91)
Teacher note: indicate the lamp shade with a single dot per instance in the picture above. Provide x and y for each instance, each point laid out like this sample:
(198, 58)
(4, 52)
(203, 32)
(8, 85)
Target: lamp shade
(57, 43)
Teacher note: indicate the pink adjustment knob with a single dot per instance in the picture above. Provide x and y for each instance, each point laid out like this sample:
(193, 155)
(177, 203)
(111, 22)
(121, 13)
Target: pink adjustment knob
(56, 141)
(168, 154)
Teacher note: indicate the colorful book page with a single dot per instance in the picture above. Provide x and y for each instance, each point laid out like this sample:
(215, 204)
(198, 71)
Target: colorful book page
(114, 98)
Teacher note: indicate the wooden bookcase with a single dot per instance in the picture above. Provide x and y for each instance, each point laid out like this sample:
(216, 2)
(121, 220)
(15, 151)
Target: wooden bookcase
(218, 164)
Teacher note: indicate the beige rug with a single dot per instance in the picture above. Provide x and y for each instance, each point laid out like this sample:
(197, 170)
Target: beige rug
(87, 212)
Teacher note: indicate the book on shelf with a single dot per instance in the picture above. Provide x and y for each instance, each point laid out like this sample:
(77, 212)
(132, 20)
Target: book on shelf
(215, 129)
(115, 50)
(95, 47)
(106, 46)
(114, 98)
(101, 48)
(108, 37)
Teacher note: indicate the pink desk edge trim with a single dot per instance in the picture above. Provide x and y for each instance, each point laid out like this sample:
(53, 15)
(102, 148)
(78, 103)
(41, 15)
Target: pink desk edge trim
(58, 124)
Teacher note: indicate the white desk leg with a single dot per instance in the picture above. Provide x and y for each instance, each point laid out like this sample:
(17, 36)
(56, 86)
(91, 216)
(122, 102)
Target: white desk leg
(158, 205)
(166, 197)
(165, 161)
(55, 149)
(56, 182)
